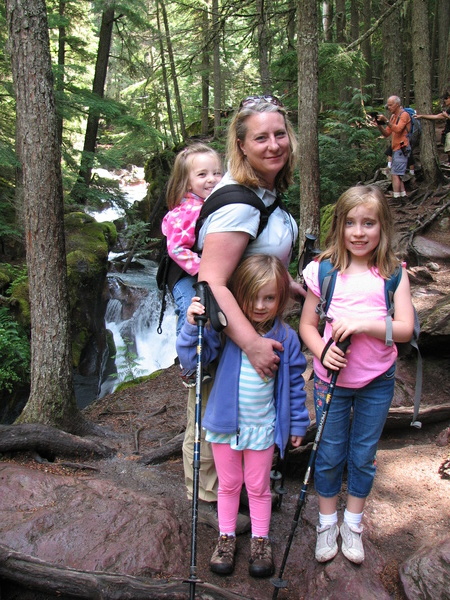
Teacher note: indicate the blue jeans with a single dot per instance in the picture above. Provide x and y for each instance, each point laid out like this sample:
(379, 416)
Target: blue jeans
(183, 292)
(352, 441)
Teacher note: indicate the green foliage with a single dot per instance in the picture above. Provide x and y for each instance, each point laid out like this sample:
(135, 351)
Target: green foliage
(14, 352)
(326, 217)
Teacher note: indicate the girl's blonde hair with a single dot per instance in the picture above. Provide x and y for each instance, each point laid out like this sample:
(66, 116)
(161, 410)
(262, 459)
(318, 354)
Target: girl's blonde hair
(251, 275)
(238, 165)
(178, 184)
(383, 257)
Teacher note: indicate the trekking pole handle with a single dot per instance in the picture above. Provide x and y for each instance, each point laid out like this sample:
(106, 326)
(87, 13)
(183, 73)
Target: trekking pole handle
(200, 290)
(344, 344)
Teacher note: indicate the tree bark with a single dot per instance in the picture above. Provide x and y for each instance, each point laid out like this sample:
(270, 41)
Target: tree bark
(205, 70)
(443, 9)
(308, 110)
(263, 50)
(98, 89)
(173, 70)
(36, 574)
(422, 85)
(392, 54)
(165, 77)
(52, 397)
(216, 66)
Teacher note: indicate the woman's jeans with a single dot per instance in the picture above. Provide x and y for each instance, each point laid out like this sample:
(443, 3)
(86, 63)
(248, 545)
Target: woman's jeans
(348, 438)
(183, 292)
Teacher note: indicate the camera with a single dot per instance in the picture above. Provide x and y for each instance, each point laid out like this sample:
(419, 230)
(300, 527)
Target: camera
(376, 117)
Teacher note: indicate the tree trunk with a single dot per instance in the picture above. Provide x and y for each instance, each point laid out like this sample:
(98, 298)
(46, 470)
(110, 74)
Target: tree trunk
(307, 118)
(340, 21)
(61, 63)
(98, 89)
(205, 70)
(366, 47)
(216, 67)
(173, 70)
(165, 78)
(392, 54)
(443, 9)
(52, 397)
(422, 85)
(326, 20)
(263, 51)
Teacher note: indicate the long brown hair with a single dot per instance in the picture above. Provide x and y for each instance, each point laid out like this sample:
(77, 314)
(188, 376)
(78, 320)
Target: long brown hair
(238, 165)
(251, 275)
(178, 184)
(383, 257)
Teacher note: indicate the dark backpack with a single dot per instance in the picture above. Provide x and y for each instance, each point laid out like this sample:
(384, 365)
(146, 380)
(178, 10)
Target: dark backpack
(415, 128)
(169, 273)
(327, 282)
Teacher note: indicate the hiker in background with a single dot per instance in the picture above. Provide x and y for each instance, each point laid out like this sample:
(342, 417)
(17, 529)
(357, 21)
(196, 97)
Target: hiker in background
(359, 248)
(443, 115)
(247, 415)
(261, 154)
(197, 169)
(398, 126)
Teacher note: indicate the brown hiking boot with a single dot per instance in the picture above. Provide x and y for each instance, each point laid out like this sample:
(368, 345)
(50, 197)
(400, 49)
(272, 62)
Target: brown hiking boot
(261, 559)
(222, 560)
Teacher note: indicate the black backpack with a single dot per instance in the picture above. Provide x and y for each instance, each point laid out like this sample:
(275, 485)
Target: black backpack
(169, 273)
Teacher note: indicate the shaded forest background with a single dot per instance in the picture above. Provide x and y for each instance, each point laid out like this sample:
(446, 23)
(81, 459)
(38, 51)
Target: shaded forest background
(103, 84)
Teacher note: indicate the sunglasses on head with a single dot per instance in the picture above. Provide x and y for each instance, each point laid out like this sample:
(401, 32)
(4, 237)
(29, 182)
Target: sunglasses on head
(253, 100)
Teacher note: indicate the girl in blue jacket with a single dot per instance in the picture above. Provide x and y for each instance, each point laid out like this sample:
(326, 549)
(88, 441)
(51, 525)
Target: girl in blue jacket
(246, 415)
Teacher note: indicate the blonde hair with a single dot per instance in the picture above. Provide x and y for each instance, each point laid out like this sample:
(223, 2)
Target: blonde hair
(382, 257)
(251, 275)
(238, 166)
(178, 184)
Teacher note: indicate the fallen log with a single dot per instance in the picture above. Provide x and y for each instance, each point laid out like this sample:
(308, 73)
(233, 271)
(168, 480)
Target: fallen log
(49, 442)
(64, 582)
(169, 450)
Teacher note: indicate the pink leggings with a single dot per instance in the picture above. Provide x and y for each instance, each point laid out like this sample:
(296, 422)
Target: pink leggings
(235, 467)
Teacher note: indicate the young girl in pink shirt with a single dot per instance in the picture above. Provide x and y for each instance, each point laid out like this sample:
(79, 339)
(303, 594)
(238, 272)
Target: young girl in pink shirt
(196, 171)
(359, 248)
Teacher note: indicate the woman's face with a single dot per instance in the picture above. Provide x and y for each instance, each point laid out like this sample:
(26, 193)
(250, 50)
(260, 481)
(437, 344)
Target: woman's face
(266, 146)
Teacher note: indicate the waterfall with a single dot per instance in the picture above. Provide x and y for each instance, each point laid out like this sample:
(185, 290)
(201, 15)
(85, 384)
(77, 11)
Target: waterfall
(132, 312)
(132, 316)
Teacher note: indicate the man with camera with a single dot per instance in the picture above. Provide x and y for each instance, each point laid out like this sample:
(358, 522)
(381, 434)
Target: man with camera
(398, 125)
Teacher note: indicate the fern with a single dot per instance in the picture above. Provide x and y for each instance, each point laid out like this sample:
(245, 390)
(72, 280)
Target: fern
(14, 352)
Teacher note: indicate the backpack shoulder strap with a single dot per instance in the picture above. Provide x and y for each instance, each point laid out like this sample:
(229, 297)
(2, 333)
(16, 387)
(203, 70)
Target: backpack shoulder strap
(327, 282)
(235, 194)
(390, 286)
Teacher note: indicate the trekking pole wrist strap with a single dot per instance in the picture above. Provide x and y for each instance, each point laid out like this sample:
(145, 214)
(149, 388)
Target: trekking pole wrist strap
(325, 350)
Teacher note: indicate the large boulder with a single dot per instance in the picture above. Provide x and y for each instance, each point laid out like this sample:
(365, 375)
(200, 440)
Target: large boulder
(426, 574)
(88, 524)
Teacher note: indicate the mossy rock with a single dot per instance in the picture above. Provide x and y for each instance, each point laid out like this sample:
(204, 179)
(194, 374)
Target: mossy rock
(129, 384)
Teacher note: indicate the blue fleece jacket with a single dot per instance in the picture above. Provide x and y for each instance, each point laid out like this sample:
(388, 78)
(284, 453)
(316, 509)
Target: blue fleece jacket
(221, 414)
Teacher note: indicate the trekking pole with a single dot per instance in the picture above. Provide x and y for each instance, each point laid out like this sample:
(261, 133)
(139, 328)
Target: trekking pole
(278, 582)
(218, 322)
(200, 320)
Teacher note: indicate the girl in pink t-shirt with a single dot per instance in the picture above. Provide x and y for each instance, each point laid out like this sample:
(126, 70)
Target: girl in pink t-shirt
(197, 169)
(359, 247)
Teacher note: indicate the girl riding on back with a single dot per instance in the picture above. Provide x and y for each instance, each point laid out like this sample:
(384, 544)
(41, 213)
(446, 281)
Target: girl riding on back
(196, 171)
(247, 415)
(359, 248)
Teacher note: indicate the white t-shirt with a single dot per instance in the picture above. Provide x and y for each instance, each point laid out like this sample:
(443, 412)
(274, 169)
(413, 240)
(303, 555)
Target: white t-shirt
(277, 238)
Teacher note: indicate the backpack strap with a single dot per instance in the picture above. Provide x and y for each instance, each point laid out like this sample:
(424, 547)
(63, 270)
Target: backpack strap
(390, 286)
(327, 282)
(236, 194)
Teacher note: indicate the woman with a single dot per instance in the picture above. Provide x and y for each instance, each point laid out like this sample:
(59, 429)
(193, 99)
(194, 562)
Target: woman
(261, 154)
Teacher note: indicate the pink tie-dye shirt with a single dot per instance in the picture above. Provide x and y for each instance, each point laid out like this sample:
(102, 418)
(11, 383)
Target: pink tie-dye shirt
(179, 228)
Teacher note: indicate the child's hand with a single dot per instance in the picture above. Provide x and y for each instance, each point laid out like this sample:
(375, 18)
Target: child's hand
(344, 327)
(334, 358)
(195, 308)
(296, 440)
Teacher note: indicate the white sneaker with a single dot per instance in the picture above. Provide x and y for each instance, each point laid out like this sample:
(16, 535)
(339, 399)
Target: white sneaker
(326, 545)
(352, 547)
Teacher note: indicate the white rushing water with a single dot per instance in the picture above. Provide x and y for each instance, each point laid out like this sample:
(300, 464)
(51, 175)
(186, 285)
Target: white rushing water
(140, 350)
